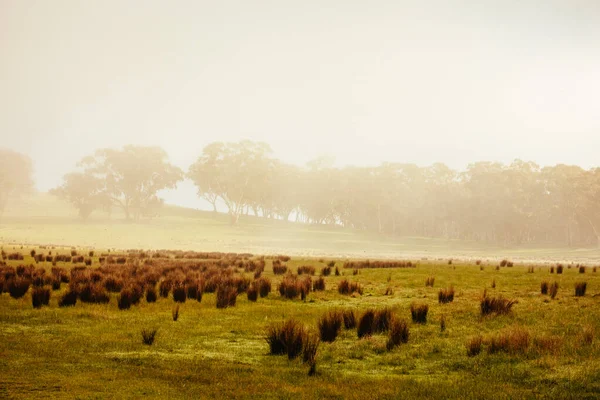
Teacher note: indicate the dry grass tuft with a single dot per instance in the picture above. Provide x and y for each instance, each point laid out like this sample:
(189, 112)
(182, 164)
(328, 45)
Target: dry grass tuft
(419, 312)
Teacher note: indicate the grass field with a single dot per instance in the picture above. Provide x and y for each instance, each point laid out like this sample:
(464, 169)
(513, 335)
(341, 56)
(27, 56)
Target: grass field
(43, 219)
(96, 350)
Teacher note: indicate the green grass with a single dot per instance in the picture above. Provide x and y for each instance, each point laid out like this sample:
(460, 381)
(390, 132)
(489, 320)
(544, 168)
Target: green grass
(96, 351)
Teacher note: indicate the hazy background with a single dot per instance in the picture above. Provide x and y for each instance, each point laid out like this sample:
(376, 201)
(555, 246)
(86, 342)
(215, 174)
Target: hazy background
(363, 82)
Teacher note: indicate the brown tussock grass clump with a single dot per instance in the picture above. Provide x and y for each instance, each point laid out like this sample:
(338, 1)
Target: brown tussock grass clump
(587, 335)
(443, 323)
(175, 312)
(226, 296)
(419, 312)
(474, 345)
(164, 288)
(378, 264)
(544, 287)
(553, 290)
(125, 298)
(148, 336)
(319, 284)
(399, 333)
(349, 318)
(325, 271)
(264, 286)
(310, 347)
(347, 287)
(582, 269)
(306, 269)
(548, 344)
(446, 295)
(113, 284)
(290, 287)
(580, 289)
(279, 268)
(252, 292)
(329, 326)
(512, 341)
(151, 295)
(365, 324)
(429, 281)
(559, 269)
(68, 299)
(179, 293)
(496, 305)
(383, 320)
(17, 287)
(40, 296)
(93, 293)
(285, 338)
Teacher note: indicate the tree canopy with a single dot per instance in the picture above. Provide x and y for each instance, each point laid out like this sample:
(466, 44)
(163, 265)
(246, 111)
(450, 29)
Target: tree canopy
(129, 178)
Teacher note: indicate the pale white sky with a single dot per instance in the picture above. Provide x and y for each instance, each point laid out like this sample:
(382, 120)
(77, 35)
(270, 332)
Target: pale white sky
(365, 82)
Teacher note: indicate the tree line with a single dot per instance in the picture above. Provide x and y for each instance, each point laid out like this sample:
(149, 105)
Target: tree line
(519, 203)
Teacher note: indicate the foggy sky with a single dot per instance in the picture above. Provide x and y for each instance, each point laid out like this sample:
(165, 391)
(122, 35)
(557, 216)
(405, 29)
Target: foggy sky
(365, 82)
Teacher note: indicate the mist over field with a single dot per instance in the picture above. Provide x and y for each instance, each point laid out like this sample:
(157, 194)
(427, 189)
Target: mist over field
(470, 123)
(285, 199)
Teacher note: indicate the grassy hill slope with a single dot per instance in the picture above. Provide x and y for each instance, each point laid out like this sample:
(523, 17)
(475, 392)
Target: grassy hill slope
(44, 219)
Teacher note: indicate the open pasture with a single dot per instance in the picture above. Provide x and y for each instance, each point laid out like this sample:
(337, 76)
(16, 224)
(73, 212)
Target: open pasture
(168, 324)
